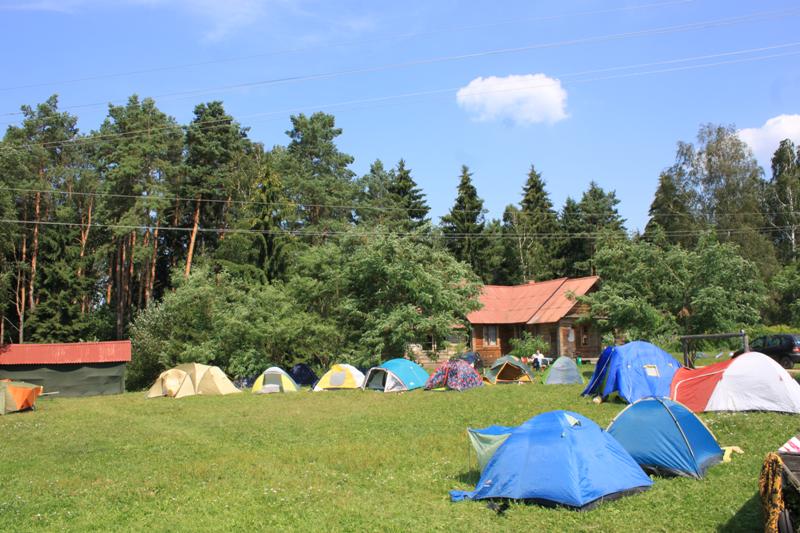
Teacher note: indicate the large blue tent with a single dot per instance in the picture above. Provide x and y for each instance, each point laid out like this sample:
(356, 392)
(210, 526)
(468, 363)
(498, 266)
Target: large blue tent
(396, 375)
(557, 458)
(635, 370)
(665, 437)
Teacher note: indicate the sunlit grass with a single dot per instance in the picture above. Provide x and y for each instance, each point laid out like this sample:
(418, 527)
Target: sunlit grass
(356, 461)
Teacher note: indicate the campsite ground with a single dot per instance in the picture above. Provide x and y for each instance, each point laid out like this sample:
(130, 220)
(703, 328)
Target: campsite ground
(355, 461)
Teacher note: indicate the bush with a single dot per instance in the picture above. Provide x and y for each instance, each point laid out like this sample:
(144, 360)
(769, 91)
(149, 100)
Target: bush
(219, 320)
(528, 344)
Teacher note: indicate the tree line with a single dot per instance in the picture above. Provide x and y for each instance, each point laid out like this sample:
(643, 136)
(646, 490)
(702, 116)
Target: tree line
(187, 236)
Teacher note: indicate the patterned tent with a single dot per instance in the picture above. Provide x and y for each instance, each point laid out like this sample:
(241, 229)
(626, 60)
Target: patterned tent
(454, 375)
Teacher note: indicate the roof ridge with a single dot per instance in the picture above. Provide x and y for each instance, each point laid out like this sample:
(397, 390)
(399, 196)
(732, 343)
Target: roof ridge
(563, 281)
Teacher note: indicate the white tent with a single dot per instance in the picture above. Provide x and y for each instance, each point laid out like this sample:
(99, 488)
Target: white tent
(755, 382)
(340, 377)
(274, 379)
(190, 379)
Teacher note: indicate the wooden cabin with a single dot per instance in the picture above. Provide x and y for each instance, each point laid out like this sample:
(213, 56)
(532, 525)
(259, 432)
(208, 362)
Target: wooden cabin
(547, 309)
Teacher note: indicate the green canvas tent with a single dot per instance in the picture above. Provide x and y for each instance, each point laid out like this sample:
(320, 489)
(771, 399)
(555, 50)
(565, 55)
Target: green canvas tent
(508, 369)
(563, 371)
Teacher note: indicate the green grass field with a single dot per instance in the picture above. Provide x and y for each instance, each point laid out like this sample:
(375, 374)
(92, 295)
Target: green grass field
(345, 461)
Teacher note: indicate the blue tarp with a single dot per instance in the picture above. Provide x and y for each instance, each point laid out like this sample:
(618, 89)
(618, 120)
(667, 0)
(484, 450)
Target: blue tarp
(636, 370)
(665, 437)
(558, 458)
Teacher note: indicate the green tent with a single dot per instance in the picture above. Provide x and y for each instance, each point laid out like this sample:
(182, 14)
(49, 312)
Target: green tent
(563, 371)
(508, 369)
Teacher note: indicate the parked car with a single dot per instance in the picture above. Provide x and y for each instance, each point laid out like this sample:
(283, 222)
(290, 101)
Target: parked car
(784, 348)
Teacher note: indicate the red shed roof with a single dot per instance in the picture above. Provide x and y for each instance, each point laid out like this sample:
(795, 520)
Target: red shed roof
(66, 353)
(540, 302)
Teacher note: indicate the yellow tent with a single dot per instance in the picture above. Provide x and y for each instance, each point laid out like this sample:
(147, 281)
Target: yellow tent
(340, 377)
(190, 379)
(274, 379)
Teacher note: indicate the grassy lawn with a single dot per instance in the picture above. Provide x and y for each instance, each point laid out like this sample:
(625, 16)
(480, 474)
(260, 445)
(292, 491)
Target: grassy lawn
(354, 461)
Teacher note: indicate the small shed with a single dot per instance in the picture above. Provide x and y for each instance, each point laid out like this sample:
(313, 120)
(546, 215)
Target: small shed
(70, 369)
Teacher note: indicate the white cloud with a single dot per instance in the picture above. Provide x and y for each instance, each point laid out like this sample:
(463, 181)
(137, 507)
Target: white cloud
(765, 140)
(526, 99)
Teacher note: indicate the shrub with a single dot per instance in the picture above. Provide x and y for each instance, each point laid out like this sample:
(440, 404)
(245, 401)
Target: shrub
(528, 344)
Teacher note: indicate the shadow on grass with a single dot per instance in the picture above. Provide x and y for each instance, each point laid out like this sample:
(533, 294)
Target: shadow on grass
(470, 478)
(747, 518)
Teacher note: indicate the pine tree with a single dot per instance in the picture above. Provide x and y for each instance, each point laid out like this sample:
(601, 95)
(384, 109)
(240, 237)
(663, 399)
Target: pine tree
(509, 271)
(136, 169)
(463, 226)
(317, 174)
(535, 225)
(377, 206)
(599, 214)
(40, 156)
(215, 144)
(671, 213)
(409, 197)
(582, 223)
(573, 252)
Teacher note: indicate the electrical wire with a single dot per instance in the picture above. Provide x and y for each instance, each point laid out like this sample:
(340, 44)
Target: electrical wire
(96, 138)
(404, 36)
(447, 236)
(298, 205)
(460, 57)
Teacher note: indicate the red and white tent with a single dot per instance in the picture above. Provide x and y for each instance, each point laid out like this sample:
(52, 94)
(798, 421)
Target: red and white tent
(749, 382)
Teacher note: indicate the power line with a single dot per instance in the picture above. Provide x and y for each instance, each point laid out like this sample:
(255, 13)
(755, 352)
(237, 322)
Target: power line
(485, 53)
(350, 43)
(227, 122)
(333, 233)
(147, 197)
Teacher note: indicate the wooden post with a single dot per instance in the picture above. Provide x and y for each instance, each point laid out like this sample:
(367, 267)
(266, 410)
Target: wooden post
(685, 344)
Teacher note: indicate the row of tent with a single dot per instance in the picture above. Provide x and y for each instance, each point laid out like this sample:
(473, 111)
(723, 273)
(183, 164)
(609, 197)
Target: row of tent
(563, 458)
(395, 375)
(751, 381)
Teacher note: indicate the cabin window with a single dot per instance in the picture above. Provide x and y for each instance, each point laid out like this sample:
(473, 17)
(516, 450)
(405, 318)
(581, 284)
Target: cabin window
(490, 335)
(584, 336)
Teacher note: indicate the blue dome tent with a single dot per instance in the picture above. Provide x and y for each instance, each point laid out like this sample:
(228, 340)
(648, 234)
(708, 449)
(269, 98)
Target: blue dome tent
(396, 375)
(557, 458)
(666, 437)
(302, 374)
(634, 371)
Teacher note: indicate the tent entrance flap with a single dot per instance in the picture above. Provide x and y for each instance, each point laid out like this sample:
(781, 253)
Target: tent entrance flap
(511, 373)
(486, 441)
(377, 380)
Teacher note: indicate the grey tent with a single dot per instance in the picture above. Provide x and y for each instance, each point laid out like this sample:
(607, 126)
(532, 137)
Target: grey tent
(563, 371)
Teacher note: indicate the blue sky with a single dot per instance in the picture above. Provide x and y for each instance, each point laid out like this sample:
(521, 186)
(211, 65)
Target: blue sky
(584, 90)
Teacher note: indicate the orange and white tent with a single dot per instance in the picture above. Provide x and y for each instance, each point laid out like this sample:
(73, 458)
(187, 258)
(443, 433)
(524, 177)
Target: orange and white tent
(17, 396)
(749, 382)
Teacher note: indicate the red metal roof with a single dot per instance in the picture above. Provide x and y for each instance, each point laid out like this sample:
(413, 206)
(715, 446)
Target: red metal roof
(541, 302)
(66, 353)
